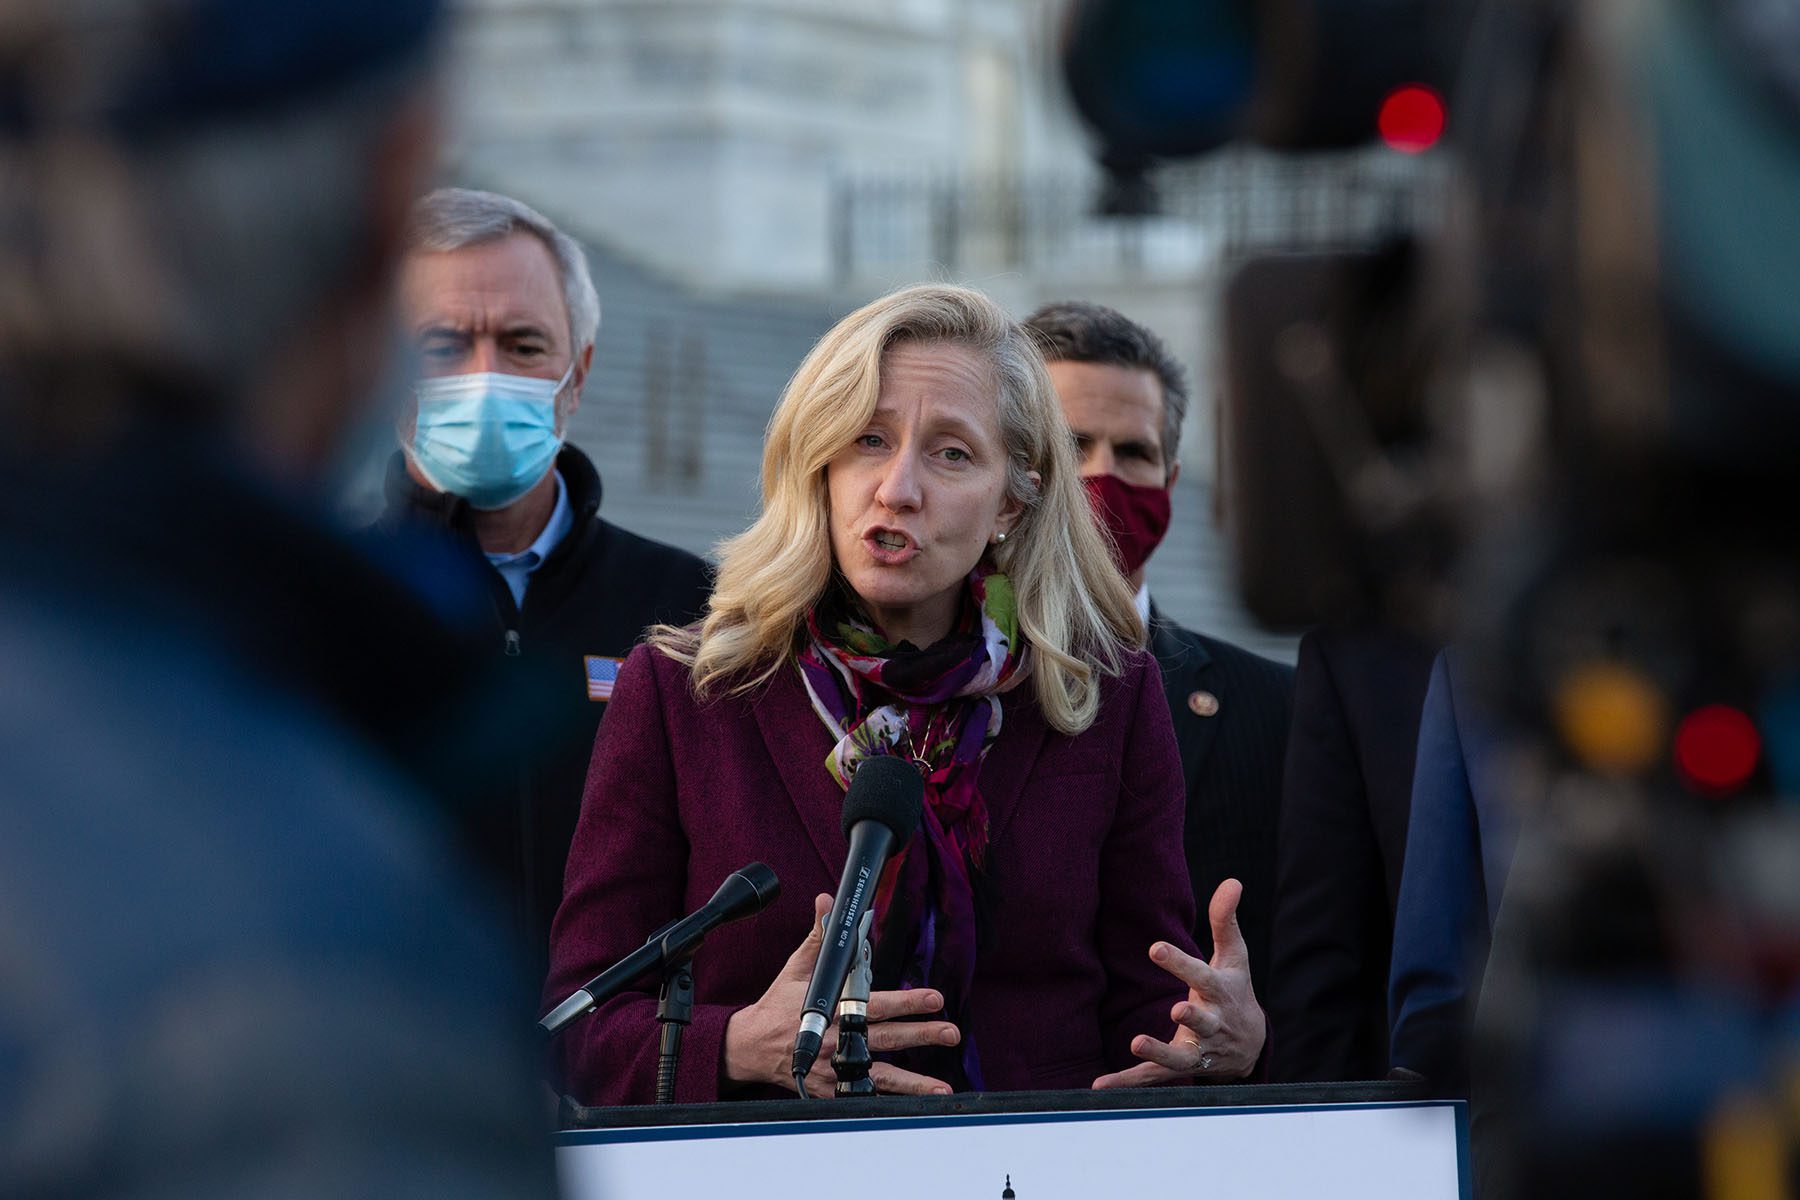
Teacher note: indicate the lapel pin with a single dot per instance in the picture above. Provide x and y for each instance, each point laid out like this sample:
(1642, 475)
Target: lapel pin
(1203, 704)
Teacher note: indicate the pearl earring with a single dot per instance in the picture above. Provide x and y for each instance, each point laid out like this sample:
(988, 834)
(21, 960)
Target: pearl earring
(999, 537)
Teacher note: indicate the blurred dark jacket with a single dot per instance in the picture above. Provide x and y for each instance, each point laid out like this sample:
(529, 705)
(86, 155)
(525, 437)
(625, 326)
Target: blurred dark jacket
(1357, 698)
(241, 956)
(1230, 709)
(1459, 849)
(593, 597)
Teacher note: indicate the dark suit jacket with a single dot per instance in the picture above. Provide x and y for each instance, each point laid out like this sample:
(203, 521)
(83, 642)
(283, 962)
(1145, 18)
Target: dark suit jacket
(1082, 875)
(1459, 848)
(1343, 837)
(1231, 761)
(593, 596)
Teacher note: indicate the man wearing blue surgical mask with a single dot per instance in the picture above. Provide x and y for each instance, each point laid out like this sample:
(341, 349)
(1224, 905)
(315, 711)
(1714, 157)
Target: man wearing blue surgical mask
(503, 313)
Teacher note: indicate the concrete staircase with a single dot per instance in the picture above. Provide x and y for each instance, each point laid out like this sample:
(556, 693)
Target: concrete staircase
(681, 389)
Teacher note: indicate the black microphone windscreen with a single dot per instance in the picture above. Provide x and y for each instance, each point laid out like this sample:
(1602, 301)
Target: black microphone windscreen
(745, 891)
(888, 789)
(762, 878)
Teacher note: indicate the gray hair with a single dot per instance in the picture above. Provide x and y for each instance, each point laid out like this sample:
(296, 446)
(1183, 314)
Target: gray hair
(1081, 331)
(451, 218)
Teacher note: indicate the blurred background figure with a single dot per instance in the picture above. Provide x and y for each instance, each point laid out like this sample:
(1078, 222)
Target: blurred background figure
(1125, 397)
(502, 313)
(239, 955)
(1459, 847)
(1637, 612)
(1345, 794)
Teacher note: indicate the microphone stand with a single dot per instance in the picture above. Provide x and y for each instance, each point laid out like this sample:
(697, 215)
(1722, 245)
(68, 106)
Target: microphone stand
(674, 1009)
(851, 1059)
(604, 986)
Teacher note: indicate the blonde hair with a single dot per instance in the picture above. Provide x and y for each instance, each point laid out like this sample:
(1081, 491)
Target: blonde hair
(1075, 610)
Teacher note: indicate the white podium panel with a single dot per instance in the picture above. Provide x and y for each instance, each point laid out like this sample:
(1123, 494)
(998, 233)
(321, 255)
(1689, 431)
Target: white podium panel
(1395, 1151)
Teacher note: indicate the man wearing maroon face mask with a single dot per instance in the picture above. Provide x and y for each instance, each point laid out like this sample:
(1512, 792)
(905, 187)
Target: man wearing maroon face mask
(1125, 396)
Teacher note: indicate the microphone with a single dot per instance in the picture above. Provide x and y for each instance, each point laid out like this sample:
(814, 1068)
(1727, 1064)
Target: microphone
(881, 814)
(744, 892)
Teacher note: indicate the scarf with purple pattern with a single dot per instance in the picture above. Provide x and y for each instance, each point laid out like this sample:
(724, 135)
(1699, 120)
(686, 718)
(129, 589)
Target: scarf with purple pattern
(940, 707)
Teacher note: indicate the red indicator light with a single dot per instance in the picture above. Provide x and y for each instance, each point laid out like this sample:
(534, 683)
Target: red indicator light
(1411, 119)
(1716, 749)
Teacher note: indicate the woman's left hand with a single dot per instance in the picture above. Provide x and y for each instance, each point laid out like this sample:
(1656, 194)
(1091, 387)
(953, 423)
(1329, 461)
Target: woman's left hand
(1219, 1028)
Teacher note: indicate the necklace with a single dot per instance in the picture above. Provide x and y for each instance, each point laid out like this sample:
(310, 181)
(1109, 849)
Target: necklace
(933, 740)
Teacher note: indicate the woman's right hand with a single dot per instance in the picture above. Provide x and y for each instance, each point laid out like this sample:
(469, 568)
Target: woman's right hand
(759, 1040)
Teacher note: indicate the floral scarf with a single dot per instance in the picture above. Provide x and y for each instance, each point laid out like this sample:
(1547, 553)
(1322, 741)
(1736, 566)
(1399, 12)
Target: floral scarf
(940, 707)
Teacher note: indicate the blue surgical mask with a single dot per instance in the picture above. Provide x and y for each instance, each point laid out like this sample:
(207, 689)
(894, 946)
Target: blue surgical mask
(486, 437)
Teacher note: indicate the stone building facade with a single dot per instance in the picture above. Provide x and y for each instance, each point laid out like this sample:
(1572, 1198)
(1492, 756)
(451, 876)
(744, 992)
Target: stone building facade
(709, 135)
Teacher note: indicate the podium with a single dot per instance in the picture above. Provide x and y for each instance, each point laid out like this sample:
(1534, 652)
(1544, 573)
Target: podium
(1375, 1140)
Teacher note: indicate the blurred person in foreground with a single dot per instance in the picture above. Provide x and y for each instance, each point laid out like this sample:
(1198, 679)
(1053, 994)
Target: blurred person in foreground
(1125, 397)
(502, 312)
(238, 960)
(926, 580)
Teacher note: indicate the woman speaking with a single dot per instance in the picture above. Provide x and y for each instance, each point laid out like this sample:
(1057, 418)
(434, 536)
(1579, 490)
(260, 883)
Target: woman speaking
(925, 580)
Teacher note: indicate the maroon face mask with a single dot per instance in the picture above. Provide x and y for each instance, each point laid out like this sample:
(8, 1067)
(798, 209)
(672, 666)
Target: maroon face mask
(1136, 516)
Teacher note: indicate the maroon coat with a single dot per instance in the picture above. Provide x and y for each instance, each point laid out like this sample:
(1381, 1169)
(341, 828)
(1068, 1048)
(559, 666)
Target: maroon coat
(1084, 864)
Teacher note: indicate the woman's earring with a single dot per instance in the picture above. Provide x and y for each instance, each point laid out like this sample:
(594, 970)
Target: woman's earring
(999, 537)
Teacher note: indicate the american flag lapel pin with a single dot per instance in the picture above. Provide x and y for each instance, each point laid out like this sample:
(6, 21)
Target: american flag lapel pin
(602, 673)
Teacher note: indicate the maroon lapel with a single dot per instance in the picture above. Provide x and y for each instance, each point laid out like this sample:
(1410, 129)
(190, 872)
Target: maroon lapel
(798, 742)
(1010, 759)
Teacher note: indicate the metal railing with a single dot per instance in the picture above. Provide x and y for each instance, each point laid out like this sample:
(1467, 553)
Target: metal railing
(1236, 202)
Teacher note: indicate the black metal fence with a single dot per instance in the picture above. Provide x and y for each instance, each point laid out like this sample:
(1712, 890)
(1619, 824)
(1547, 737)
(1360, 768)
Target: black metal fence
(1233, 203)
